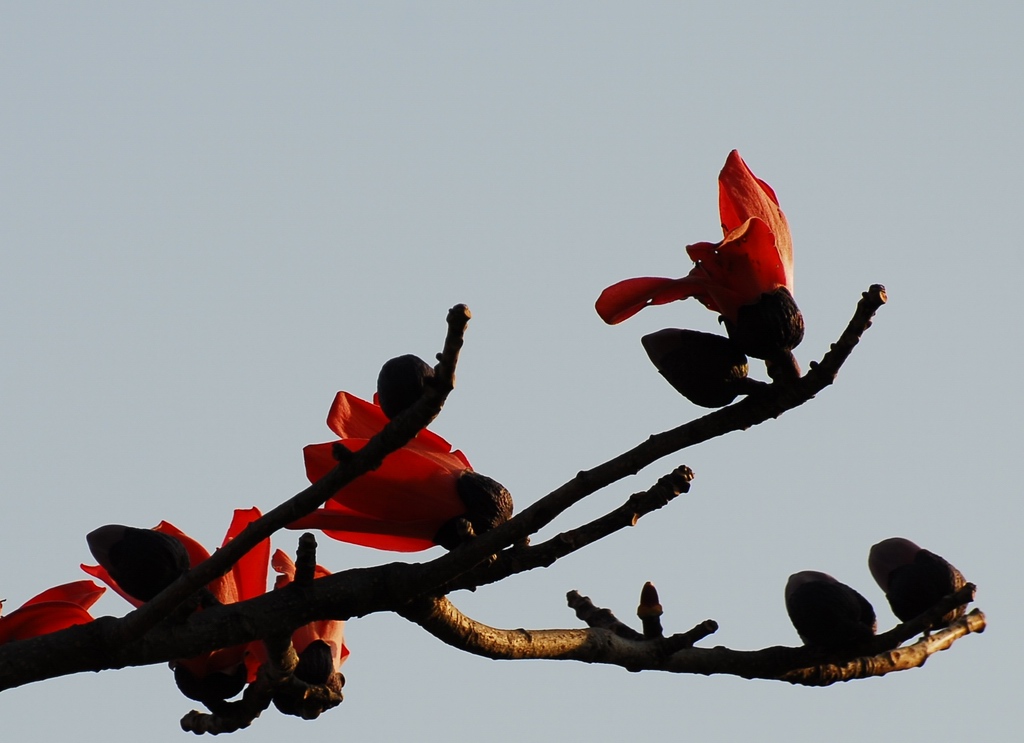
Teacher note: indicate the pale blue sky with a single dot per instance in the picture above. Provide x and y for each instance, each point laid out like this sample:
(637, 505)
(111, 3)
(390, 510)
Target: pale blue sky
(216, 215)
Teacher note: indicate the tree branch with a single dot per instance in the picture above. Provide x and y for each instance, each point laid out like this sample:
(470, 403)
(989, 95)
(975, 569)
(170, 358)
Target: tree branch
(774, 400)
(608, 645)
(138, 640)
(396, 434)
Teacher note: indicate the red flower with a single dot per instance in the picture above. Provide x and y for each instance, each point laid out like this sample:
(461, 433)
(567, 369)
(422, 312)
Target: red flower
(755, 258)
(329, 631)
(399, 506)
(246, 579)
(54, 609)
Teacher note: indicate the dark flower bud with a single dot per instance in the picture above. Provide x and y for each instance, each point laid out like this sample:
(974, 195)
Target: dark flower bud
(214, 687)
(707, 369)
(649, 606)
(827, 613)
(914, 579)
(316, 664)
(401, 382)
(768, 327)
(488, 504)
(142, 562)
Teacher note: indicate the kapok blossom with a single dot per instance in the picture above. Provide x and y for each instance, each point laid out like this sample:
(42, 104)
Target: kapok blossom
(754, 258)
(329, 631)
(54, 609)
(402, 504)
(247, 579)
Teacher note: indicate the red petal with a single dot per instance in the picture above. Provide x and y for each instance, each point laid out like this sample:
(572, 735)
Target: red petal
(84, 593)
(197, 553)
(100, 573)
(394, 536)
(41, 619)
(353, 418)
(623, 300)
(248, 576)
(741, 196)
(745, 265)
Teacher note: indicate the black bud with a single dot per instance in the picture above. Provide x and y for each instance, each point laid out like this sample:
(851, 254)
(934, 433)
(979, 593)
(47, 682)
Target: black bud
(316, 664)
(142, 562)
(214, 687)
(827, 613)
(488, 504)
(769, 327)
(401, 382)
(707, 369)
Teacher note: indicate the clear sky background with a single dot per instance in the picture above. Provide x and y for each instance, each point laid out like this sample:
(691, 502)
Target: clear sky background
(216, 215)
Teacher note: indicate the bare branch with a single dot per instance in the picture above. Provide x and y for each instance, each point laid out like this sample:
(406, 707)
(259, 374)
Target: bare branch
(804, 665)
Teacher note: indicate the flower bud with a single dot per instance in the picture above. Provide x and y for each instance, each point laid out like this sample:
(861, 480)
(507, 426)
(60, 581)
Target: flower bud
(214, 687)
(768, 327)
(316, 664)
(142, 562)
(649, 606)
(401, 382)
(706, 369)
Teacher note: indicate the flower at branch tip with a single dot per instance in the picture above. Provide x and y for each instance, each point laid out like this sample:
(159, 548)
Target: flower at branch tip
(219, 674)
(401, 382)
(406, 504)
(913, 578)
(828, 613)
(747, 277)
(54, 609)
(707, 369)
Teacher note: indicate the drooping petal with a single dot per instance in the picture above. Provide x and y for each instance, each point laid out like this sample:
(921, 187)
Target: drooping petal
(623, 300)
